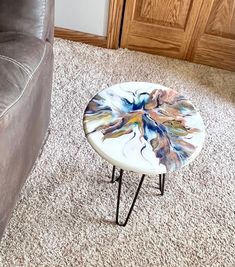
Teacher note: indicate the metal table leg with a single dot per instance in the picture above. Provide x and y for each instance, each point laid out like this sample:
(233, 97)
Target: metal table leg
(133, 203)
(162, 183)
(119, 179)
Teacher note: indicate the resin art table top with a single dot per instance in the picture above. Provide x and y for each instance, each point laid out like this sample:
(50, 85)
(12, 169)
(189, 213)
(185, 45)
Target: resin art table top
(144, 127)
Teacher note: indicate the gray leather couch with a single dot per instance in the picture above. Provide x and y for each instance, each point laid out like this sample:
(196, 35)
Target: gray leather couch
(26, 65)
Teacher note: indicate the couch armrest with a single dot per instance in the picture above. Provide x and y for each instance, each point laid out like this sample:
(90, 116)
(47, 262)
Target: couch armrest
(33, 17)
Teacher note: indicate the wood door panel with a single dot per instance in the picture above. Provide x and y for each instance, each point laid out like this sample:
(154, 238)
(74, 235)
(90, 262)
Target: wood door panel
(155, 40)
(140, 29)
(155, 46)
(217, 52)
(213, 42)
(201, 31)
(171, 13)
(222, 19)
(160, 26)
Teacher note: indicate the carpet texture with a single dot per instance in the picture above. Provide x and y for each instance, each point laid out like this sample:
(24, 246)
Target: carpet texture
(66, 211)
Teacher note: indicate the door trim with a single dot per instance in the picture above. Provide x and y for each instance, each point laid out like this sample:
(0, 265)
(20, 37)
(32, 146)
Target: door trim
(83, 37)
(116, 13)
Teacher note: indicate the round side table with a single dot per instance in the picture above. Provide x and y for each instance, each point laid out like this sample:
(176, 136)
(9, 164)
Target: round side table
(145, 128)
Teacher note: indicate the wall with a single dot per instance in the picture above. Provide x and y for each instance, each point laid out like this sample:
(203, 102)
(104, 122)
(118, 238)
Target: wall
(90, 16)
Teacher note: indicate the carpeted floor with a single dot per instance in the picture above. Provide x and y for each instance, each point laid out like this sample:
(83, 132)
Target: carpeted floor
(66, 210)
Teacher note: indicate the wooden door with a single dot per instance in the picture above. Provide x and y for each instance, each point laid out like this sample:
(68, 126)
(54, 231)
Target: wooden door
(213, 41)
(163, 27)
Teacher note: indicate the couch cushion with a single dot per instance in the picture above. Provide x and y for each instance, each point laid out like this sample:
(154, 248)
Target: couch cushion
(20, 56)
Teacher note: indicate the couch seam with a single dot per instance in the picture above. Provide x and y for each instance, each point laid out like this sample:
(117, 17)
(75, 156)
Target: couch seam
(30, 77)
(17, 63)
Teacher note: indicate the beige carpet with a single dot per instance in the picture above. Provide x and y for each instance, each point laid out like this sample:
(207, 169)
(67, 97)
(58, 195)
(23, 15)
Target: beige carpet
(66, 210)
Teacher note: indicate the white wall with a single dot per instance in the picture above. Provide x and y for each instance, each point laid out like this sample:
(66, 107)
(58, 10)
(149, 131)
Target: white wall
(90, 16)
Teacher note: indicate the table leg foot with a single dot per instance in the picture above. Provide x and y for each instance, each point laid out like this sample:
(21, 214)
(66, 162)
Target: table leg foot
(162, 182)
(113, 175)
(113, 180)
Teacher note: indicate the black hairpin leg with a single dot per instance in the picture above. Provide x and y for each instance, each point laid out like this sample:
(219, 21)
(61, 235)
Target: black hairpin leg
(118, 199)
(162, 182)
(119, 179)
(113, 175)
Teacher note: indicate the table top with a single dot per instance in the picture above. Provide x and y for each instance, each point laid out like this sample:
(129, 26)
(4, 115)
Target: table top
(144, 127)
